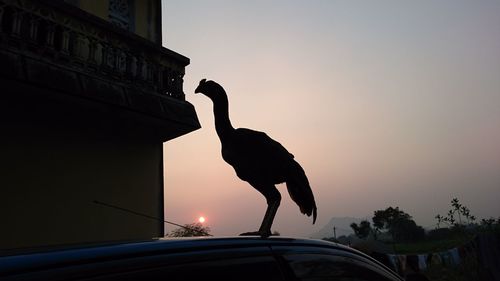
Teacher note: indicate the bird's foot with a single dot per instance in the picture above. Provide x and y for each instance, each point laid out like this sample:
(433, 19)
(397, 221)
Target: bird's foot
(263, 234)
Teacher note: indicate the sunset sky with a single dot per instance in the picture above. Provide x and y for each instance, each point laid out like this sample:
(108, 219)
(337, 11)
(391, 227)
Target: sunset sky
(383, 103)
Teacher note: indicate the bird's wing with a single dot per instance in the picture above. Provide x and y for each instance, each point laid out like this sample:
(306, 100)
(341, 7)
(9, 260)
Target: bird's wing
(260, 144)
(258, 159)
(254, 155)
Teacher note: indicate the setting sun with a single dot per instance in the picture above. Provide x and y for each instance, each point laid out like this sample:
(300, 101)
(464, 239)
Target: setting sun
(201, 219)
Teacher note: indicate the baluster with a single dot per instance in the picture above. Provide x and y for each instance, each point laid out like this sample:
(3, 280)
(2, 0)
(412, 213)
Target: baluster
(161, 87)
(141, 71)
(155, 77)
(50, 36)
(95, 52)
(92, 51)
(147, 72)
(104, 55)
(75, 45)
(144, 70)
(121, 61)
(179, 82)
(105, 50)
(168, 81)
(2, 9)
(81, 46)
(152, 76)
(173, 90)
(85, 44)
(110, 58)
(132, 66)
(65, 37)
(33, 29)
(99, 53)
(17, 19)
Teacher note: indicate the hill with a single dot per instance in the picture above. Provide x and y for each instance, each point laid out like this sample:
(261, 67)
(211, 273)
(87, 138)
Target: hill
(342, 227)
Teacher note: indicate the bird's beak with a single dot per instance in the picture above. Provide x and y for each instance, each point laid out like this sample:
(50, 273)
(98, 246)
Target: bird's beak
(197, 90)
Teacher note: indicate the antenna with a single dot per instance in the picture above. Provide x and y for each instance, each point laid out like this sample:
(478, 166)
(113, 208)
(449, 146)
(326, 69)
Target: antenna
(150, 217)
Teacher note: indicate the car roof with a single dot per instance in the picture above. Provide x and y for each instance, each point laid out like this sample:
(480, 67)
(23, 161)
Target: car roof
(96, 253)
(168, 244)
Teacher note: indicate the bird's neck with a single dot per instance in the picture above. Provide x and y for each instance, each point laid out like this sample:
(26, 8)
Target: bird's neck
(221, 114)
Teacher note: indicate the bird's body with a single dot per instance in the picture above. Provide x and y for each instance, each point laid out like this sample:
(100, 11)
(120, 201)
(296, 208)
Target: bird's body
(259, 160)
(254, 155)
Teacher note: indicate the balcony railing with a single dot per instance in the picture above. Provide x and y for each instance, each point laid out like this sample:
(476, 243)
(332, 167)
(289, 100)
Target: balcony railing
(58, 34)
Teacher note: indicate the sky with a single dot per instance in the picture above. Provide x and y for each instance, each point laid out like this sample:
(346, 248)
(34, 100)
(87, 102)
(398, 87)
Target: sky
(383, 103)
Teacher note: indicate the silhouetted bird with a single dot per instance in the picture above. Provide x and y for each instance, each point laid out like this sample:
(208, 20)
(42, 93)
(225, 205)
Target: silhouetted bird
(259, 160)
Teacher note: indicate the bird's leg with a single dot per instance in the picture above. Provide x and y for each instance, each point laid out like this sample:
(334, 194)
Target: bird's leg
(273, 198)
(267, 221)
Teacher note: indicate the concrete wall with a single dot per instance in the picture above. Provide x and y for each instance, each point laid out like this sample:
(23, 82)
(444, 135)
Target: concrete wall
(147, 15)
(98, 8)
(55, 163)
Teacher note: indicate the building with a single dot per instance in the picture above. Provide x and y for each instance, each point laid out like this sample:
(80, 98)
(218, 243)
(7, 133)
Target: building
(88, 95)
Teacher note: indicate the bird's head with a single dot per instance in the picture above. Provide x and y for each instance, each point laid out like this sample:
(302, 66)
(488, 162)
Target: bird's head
(210, 89)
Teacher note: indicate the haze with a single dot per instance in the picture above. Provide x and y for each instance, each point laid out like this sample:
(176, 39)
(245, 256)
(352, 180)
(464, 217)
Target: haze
(384, 103)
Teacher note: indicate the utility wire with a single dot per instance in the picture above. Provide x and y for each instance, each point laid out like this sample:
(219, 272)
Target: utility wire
(151, 217)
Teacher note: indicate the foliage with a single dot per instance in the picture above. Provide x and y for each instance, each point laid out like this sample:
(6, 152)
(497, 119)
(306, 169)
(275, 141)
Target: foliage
(190, 230)
(362, 230)
(460, 221)
(388, 218)
(468, 269)
(439, 233)
(398, 224)
(490, 224)
(431, 245)
(457, 209)
(408, 230)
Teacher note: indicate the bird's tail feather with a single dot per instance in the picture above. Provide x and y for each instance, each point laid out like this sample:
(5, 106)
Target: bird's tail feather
(300, 190)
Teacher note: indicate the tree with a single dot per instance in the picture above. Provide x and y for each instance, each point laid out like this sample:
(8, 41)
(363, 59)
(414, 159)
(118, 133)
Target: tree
(439, 219)
(398, 224)
(456, 209)
(408, 231)
(190, 230)
(388, 218)
(363, 230)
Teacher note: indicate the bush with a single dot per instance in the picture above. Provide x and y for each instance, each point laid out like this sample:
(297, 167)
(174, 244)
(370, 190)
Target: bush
(439, 234)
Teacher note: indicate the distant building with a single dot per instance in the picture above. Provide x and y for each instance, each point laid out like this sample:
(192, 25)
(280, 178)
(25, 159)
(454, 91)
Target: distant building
(87, 97)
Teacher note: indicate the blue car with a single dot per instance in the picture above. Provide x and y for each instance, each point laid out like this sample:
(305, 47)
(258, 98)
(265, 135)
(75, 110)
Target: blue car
(232, 258)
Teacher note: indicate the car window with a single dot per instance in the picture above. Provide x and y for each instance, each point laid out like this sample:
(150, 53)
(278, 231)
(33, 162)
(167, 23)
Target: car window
(250, 268)
(319, 267)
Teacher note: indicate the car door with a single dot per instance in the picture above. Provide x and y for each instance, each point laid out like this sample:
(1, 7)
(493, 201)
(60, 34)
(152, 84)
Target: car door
(249, 263)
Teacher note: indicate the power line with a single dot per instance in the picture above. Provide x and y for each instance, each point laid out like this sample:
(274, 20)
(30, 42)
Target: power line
(151, 217)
